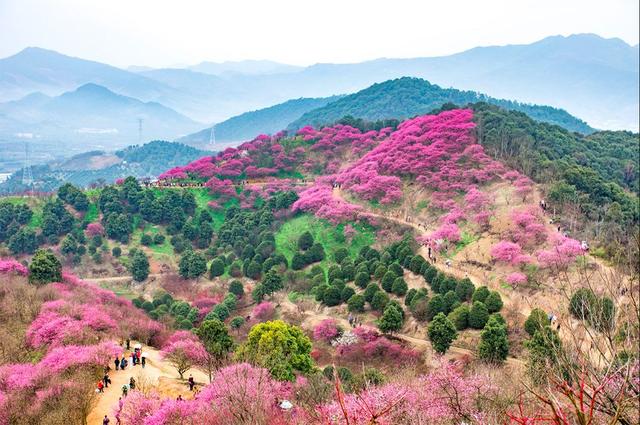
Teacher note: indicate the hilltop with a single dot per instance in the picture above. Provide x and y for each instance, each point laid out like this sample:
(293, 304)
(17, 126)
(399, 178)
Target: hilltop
(409, 266)
(407, 97)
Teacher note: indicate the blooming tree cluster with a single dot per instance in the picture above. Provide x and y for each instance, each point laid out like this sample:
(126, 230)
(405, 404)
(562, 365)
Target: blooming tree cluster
(326, 330)
(11, 266)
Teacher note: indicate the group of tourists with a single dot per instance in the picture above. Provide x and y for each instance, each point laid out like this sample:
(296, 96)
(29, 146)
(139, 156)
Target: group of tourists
(354, 322)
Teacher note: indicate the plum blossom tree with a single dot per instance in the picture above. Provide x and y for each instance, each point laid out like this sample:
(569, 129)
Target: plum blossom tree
(184, 354)
(326, 330)
(11, 266)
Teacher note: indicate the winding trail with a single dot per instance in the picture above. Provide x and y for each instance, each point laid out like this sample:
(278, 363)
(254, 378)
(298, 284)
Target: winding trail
(157, 373)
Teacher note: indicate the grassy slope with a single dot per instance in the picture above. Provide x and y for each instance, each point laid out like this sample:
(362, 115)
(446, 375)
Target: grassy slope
(330, 236)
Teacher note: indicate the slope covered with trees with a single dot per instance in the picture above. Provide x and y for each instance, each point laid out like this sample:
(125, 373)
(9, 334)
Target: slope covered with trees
(407, 97)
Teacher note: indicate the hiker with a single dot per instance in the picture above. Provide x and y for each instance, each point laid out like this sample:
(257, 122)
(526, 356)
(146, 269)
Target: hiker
(192, 383)
(585, 246)
(143, 359)
(125, 390)
(179, 397)
(448, 263)
(105, 421)
(123, 363)
(117, 362)
(100, 387)
(128, 344)
(429, 252)
(132, 383)
(350, 319)
(106, 380)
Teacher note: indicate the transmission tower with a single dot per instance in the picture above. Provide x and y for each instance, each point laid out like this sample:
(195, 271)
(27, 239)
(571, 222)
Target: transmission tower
(140, 131)
(27, 175)
(212, 137)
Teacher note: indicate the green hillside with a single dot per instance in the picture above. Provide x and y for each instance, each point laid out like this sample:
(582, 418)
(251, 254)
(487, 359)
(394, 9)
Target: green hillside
(407, 97)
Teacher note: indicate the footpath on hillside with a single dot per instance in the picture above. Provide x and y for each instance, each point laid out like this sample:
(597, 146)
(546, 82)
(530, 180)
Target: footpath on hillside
(157, 373)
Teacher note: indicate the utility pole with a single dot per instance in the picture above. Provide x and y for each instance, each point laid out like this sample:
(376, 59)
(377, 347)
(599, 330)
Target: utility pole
(27, 174)
(140, 131)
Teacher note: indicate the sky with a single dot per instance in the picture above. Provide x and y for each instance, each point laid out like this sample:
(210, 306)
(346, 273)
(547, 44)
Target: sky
(161, 33)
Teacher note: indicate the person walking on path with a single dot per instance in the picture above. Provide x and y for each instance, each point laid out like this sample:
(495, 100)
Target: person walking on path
(128, 344)
(117, 362)
(192, 383)
(125, 390)
(105, 421)
(100, 387)
(132, 383)
(143, 359)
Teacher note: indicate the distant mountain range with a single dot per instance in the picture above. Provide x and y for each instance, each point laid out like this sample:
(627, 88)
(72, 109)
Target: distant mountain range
(92, 113)
(590, 77)
(96, 167)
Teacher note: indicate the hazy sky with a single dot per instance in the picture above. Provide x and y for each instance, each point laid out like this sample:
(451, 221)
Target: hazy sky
(162, 33)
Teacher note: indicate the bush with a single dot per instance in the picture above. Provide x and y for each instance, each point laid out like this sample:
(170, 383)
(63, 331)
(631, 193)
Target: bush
(450, 302)
(356, 303)
(346, 293)
(478, 315)
(348, 272)
(387, 281)
(362, 280)
(305, 241)
(412, 293)
(480, 294)
(158, 239)
(441, 333)
(315, 253)
(380, 271)
(236, 288)
(536, 321)
(299, 261)
(217, 268)
(340, 254)
(494, 345)
(146, 239)
(436, 305)
(460, 317)
(493, 302)
(582, 303)
(116, 251)
(237, 322)
(392, 319)
(332, 296)
(370, 291)
(464, 289)
(379, 301)
(399, 287)
(396, 268)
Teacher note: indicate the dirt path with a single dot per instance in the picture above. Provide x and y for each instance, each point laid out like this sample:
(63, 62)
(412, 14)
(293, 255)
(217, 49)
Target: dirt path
(117, 279)
(157, 373)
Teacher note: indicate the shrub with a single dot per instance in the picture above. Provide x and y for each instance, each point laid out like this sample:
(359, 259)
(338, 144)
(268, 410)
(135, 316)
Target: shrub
(582, 303)
(44, 268)
(362, 280)
(340, 254)
(146, 239)
(391, 320)
(441, 333)
(435, 305)
(536, 321)
(478, 315)
(332, 296)
(396, 268)
(305, 241)
(410, 294)
(480, 294)
(464, 289)
(298, 262)
(356, 303)
(450, 301)
(494, 346)
(236, 288)
(326, 330)
(460, 317)
(116, 251)
(370, 291)
(217, 268)
(346, 293)
(379, 301)
(158, 239)
(493, 302)
(380, 271)
(387, 281)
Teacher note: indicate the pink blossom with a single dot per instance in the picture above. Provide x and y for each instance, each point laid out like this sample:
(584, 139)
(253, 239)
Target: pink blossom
(264, 311)
(94, 229)
(9, 266)
(326, 330)
(516, 278)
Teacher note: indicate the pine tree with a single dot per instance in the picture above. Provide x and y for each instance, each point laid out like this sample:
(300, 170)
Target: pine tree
(494, 345)
(441, 333)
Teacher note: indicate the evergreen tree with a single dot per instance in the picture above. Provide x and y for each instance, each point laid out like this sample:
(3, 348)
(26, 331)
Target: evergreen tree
(379, 301)
(399, 287)
(391, 320)
(44, 268)
(494, 345)
(536, 321)
(217, 342)
(370, 291)
(478, 315)
(480, 294)
(387, 281)
(441, 333)
(493, 302)
(216, 268)
(460, 317)
(356, 303)
(305, 241)
(139, 266)
(362, 280)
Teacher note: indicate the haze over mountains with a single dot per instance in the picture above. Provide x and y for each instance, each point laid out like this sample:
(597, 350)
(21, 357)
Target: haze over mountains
(77, 104)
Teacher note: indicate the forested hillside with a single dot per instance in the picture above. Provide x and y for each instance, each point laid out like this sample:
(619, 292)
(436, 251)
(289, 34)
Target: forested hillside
(93, 168)
(407, 97)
